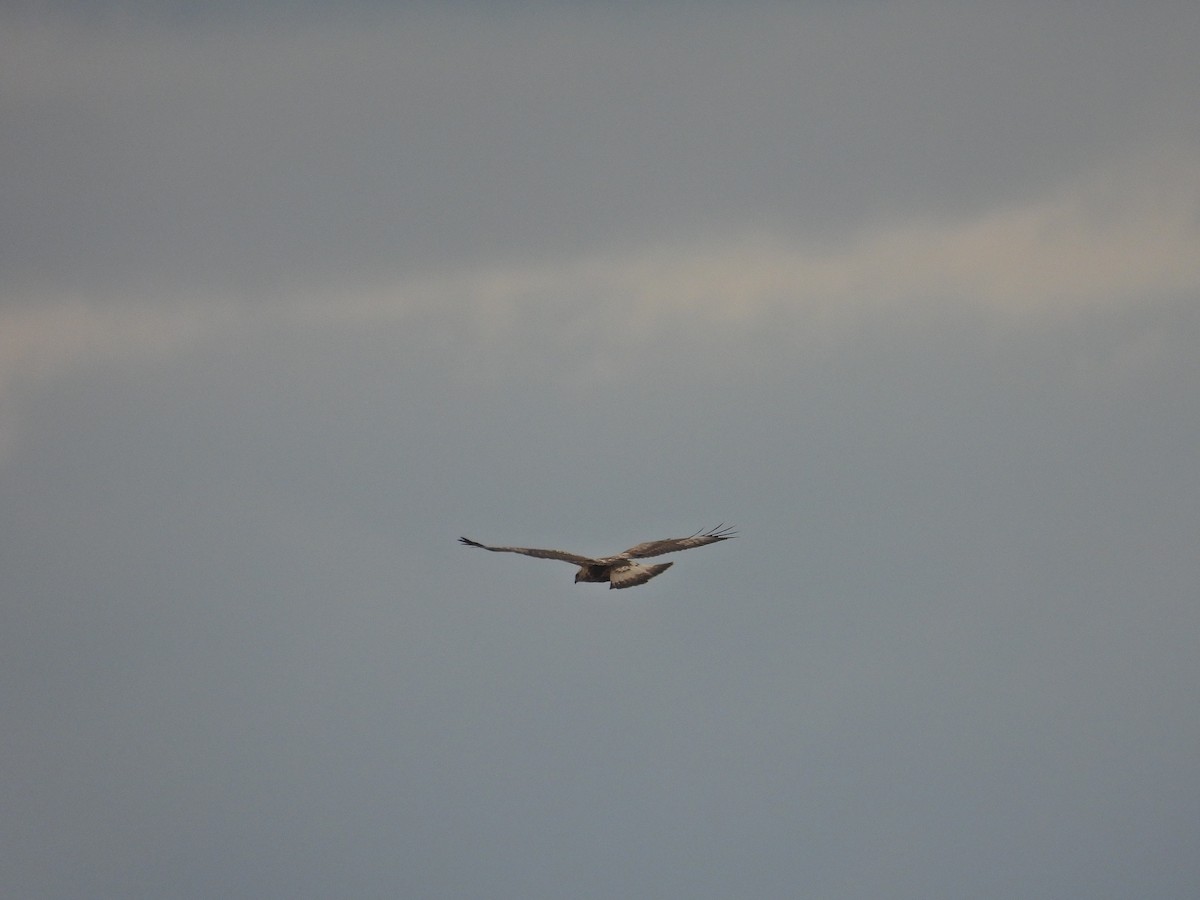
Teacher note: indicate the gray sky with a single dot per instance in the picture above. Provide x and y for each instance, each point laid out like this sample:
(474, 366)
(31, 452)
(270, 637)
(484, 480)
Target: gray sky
(907, 291)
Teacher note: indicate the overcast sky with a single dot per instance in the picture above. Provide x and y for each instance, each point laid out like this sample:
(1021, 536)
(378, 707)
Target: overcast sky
(909, 292)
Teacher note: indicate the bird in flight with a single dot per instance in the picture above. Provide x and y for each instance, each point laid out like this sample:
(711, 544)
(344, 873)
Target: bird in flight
(621, 570)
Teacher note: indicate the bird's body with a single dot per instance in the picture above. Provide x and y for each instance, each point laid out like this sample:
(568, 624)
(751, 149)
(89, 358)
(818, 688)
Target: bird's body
(621, 570)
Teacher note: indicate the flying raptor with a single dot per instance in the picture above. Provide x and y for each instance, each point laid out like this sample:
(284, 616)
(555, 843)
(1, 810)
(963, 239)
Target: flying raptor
(621, 571)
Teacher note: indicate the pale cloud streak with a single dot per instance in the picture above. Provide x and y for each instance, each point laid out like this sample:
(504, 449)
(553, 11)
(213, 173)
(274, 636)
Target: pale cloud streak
(1116, 237)
(56, 337)
(1113, 238)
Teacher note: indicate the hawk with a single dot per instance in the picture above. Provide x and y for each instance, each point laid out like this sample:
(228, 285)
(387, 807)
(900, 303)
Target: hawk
(621, 571)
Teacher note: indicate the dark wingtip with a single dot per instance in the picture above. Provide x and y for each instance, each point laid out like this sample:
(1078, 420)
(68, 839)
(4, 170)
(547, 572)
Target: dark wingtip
(470, 543)
(722, 532)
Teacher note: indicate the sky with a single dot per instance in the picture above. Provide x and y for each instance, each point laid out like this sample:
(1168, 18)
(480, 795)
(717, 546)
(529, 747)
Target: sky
(291, 298)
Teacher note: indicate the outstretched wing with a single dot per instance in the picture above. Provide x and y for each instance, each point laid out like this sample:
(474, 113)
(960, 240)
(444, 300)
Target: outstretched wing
(670, 545)
(533, 551)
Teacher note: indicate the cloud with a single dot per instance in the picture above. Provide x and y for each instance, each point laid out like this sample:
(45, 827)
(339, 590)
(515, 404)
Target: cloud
(226, 155)
(1118, 238)
(53, 338)
(1118, 235)
(1114, 238)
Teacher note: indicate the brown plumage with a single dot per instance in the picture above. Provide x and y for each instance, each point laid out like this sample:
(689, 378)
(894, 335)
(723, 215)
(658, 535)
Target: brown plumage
(620, 571)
